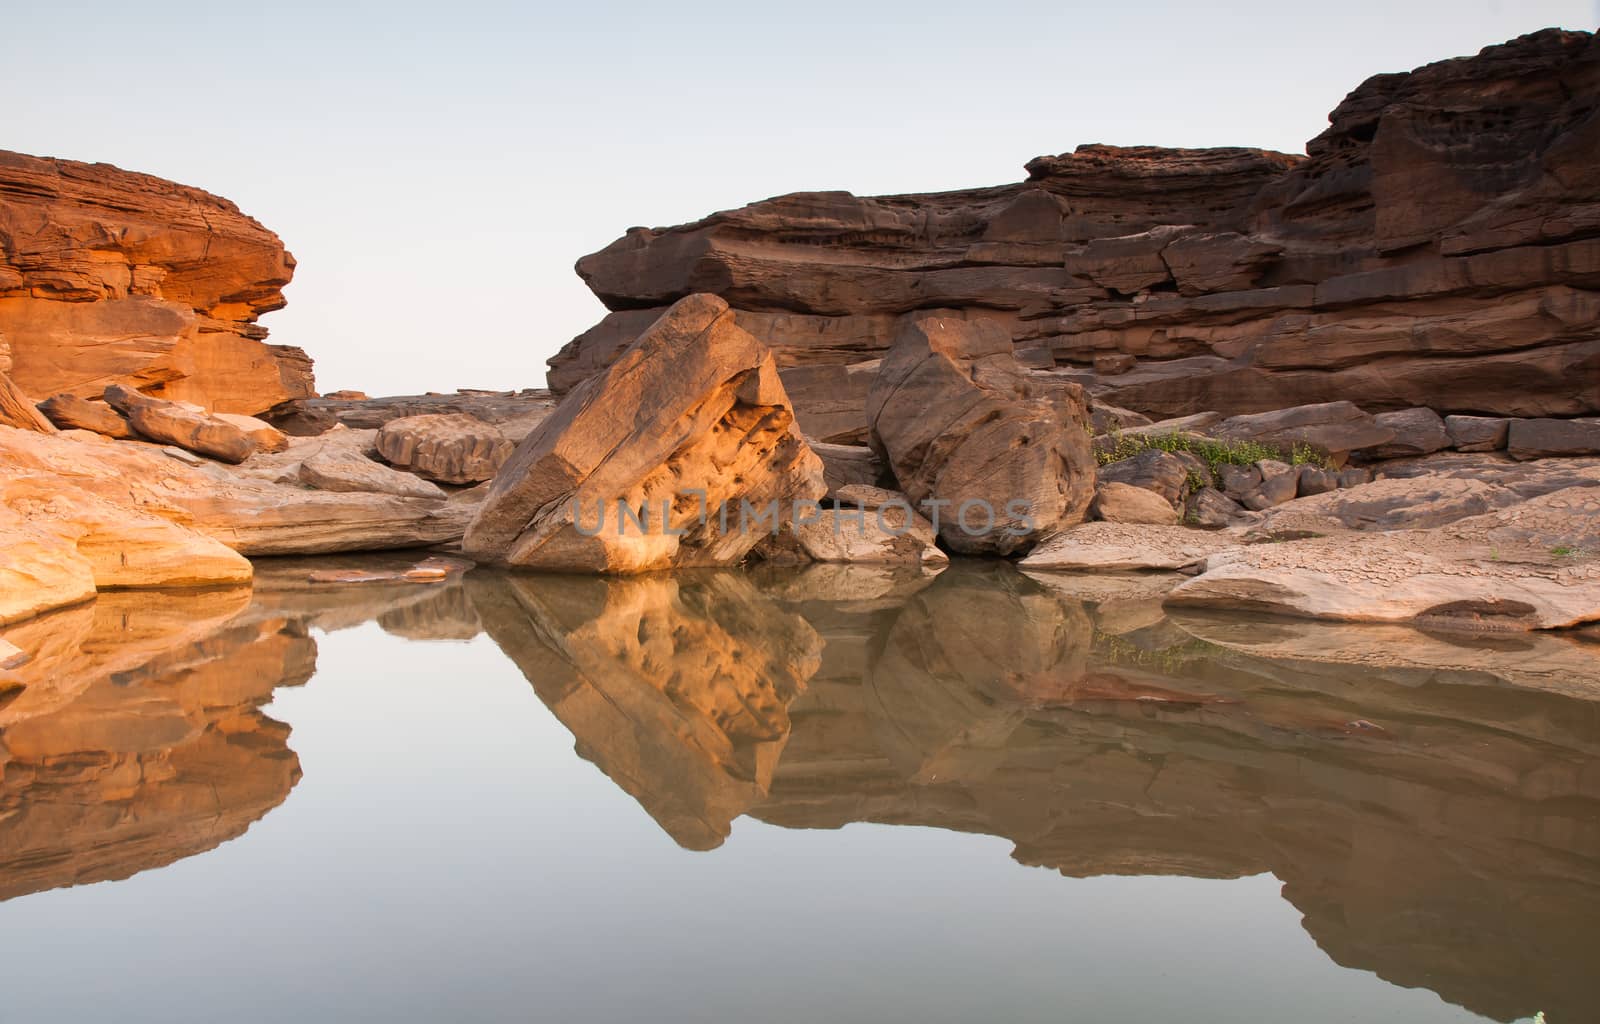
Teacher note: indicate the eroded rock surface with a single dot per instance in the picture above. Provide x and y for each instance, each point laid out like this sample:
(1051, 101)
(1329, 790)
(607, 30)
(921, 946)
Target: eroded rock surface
(1439, 246)
(113, 277)
(691, 420)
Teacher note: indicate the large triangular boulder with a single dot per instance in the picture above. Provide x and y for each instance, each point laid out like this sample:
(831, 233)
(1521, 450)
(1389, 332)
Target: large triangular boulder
(635, 468)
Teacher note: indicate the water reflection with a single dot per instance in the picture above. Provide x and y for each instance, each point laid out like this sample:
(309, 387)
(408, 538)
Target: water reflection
(1431, 803)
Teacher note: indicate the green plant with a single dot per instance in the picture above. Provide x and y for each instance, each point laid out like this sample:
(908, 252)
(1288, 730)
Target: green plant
(1213, 452)
(1562, 551)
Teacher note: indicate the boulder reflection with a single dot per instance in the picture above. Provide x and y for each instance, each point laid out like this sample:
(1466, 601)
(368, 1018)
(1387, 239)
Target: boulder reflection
(1431, 803)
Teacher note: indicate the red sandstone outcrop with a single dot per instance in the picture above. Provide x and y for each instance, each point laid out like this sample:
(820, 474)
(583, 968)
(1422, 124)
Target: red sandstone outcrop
(112, 277)
(1439, 246)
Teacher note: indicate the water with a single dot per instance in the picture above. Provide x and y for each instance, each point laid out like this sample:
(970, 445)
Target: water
(825, 795)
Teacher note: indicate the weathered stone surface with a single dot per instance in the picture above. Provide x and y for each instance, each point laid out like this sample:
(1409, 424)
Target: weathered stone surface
(1395, 503)
(1337, 428)
(874, 533)
(344, 469)
(1111, 547)
(958, 422)
(69, 412)
(515, 413)
(695, 405)
(264, 435)
(1419, 431)
(1534, 565)
(1209, 507)
(846, 464)
(1438, 247)
(39, 570)
(184, 425)
(1477, 433)
(1125, 503)
(452, 449)
(251, 515)
(16, 410)
(112, 277)
(833, 398)
(1538, 438)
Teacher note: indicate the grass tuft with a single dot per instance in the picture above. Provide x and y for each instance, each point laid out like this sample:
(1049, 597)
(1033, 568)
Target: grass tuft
(1214, 453)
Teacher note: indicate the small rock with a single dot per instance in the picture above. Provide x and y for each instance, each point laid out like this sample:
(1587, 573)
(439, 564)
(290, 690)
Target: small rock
(11, 656)
(1417, 431)
(1124, 503)
(1354, 477)
(1316, 480)
(1113, 363)
(452, 449)
(1209, 507)
(1477, 433)
(1237, 481)
(846, 464)
(1539, 438)
(1106, 419)
(1280, 482)
(1154, 470)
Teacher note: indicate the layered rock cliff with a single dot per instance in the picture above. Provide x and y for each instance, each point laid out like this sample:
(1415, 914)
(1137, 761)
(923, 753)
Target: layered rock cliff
(1438, 245)
(113, 277)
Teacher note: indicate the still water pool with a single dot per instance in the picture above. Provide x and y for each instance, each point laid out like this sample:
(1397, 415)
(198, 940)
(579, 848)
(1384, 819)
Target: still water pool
(835, 794)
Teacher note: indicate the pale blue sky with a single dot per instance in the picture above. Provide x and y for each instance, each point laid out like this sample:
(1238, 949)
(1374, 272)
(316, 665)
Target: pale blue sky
(438, 168)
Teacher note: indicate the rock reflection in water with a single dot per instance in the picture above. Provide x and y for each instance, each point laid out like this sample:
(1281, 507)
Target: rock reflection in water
(1430, 803)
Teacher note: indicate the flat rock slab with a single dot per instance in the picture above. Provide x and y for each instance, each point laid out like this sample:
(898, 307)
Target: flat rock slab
(1538, 438)
(346, 469)
(1106, 547)
(180, 424)
(1535, 565)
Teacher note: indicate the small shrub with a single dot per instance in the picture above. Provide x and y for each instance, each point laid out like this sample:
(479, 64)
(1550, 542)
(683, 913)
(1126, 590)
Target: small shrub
(1213, 452)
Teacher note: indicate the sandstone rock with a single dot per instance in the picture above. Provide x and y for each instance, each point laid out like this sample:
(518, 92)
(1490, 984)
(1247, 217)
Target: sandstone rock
(266, 437)
(846, 464)
(39, 570)
(1209, 507)
(1280, 482)
(1237, 481)
(1419, 431)
(959, 423)
(69, 412)
(834, 399)
(336, 469)
(455, 449)
(1534, 565)
(1435, 248)
(1316, 480)
(1109, 419)
(1538, 438)
(1418, 502)
(112, 277)
(1102, 547)
(246, 513)
(1125, 503)
(515, 413)
(1477, 433)
(184, 425)
(1162, 472)
(1337, 428)
(15, 408)
(887, 532)
(695, 405)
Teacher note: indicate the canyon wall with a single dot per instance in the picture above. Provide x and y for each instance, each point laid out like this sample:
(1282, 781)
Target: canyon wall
(113, 277)
(1438, 245)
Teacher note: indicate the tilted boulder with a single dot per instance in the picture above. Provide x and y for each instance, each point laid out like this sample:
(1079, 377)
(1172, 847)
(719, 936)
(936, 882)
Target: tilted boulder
(690, 420)
(967, 433)
(69, 412)
(17, 411)
(184, 425)
(449, 448)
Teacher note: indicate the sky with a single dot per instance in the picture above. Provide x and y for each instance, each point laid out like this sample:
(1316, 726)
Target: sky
(438, 168)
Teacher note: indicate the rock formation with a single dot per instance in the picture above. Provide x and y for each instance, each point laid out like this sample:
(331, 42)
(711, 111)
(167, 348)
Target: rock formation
(107, 276)
(653, 464)
(1439, 246)
(998, 462)
(452, 449)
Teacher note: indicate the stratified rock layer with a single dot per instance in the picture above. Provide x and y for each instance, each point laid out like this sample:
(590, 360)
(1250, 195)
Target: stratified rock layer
(1439, 247)
(113, 277)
